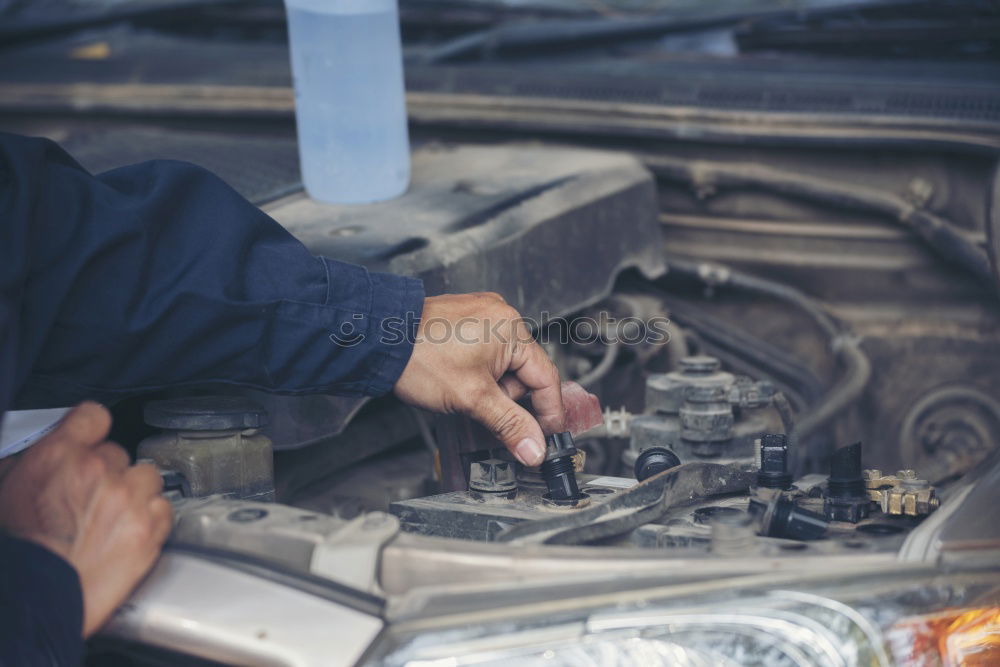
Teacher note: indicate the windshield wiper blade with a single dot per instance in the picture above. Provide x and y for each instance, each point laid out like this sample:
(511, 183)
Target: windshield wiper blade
(576, 32)
(32, 24)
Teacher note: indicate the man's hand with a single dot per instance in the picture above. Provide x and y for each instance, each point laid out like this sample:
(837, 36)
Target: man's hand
(475, 356)
(75, 494)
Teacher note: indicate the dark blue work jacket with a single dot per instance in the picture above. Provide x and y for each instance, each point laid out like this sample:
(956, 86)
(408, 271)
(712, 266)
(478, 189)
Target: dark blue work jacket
(160, 275)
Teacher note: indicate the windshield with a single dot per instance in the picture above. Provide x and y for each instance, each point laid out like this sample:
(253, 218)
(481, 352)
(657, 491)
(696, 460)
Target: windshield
(575, 31)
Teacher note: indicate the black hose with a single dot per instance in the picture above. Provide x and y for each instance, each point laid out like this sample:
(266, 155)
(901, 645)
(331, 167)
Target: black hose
(949, 241)
(856, 367)
(784, 410)
(602, 368)
(747, 354)
(856, 374)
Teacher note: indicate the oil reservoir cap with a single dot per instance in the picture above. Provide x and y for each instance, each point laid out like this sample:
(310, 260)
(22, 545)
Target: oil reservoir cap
(700, 365)
(205, 413)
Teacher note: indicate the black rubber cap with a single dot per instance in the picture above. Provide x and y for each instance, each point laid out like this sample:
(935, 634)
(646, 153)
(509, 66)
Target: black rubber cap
(773, 472)
(205, 413)
(779, 517)
(653, 461)
(558, 469)
(845, 481)
(559, 442)
(794, 523)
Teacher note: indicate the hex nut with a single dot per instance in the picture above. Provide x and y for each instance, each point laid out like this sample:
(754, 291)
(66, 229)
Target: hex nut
(492, 476)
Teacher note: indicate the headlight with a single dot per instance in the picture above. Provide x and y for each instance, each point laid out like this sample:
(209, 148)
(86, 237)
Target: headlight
(930, 619)
(956, 637)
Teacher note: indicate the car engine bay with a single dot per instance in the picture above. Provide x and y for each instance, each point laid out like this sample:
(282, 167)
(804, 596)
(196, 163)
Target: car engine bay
(769, 283)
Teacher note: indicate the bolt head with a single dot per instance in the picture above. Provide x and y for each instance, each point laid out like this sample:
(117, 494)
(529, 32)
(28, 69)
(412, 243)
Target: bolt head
(849, 510)
(914, 484)
(492, 476)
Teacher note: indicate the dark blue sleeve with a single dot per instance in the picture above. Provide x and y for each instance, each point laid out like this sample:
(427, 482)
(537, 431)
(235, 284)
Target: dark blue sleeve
(160, 274)
(41, 607)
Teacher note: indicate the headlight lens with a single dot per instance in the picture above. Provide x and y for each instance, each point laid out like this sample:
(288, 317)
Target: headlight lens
(967, 637)
(918, 621)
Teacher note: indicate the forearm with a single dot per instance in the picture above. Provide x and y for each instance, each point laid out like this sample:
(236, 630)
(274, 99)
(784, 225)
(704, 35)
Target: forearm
(160, 274)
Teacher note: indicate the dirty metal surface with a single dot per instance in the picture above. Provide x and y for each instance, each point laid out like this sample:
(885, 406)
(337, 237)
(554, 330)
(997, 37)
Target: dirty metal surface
(546, 228)
(618, 507)
(460, 515)
(646, 502)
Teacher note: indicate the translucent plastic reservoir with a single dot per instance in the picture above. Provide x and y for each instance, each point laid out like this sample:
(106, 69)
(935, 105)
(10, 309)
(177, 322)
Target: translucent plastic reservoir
(349, 99)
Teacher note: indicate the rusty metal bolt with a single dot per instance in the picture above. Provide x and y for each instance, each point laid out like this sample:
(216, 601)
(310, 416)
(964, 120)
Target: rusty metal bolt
(492, 476)
(706, 415)
(872, 475)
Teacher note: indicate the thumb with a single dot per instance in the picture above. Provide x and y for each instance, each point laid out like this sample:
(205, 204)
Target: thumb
(86, 425)
(510, 424)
